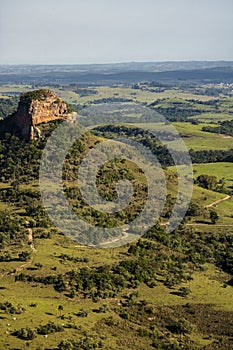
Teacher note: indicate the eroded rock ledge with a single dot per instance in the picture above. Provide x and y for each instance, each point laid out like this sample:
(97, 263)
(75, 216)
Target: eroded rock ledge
(36, 107)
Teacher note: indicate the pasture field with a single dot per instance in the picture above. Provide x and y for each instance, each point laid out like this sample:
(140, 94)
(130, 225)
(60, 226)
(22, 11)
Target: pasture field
(204, 197)
(193, 136)
(137, 95)
(197, 139)
(220, 170)
(212, 117)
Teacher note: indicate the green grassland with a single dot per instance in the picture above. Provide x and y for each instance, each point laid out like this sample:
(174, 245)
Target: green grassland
(137, 95)
(204, 197)
(220, 170)
(193, 136)
(224, 209)
(41, 303)
(212, 117)
(13, 88)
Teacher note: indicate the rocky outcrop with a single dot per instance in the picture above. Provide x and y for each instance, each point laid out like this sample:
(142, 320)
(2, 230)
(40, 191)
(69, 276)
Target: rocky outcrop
(36, 107)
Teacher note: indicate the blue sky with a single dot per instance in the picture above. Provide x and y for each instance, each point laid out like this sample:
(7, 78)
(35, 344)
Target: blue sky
(102, 31)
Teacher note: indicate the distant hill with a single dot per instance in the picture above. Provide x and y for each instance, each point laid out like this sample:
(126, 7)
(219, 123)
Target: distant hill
(126, 73)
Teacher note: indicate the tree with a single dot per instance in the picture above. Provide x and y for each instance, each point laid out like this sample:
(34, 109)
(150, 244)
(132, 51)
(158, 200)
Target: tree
(183, 327)
(193, 210)
(24, 256)
(65, 345)
(214, 217)
(208, 182)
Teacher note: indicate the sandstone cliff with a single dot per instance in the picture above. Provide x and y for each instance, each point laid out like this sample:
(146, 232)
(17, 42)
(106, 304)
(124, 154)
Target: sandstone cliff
(36, 107)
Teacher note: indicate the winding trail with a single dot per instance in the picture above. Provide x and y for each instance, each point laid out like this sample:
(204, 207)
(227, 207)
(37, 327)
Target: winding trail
(25, 265)
(218, 201)
(206, 224)
(30, 239)
(114, 240)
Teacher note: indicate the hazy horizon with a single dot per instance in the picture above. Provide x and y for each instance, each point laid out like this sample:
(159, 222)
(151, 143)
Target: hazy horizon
(74, 32)
(111, 63)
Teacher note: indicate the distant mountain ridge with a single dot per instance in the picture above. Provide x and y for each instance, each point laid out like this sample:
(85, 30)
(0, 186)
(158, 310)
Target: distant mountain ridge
(138, 66)
(127, 73)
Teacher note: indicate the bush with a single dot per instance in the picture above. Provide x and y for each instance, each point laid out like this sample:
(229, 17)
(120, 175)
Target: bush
(214, 217)
(143, 332)
(24, 256)
(50, 327)
(82, 313)
(184, 291)
(65, 345)
(124, 315)
(182, 327)
(25, 333)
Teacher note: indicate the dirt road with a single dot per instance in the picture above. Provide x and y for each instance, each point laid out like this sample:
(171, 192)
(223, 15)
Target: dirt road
(218, 202)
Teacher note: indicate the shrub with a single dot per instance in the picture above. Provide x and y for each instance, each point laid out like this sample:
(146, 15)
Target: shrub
(50, 327)
(24, 256)
(124, 315)
(25, 333)
(184, 291)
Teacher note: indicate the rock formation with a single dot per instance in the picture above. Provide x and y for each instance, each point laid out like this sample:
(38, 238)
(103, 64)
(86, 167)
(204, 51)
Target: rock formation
(36, 107)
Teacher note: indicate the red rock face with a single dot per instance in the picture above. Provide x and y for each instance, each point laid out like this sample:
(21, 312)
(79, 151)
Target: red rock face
(36, 111)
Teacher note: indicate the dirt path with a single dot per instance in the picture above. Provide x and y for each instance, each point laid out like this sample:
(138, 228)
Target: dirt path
(218, 202)
(114, 240)
(215, 225)
(26, 265)
(30, 239)
(17, 269)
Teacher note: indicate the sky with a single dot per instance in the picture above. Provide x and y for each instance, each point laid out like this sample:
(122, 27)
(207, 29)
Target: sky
(109, 31)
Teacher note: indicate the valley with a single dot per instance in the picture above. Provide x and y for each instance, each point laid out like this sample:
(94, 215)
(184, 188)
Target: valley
(164, 290)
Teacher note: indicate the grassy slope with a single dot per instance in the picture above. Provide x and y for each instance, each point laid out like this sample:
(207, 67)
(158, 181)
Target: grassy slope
(220, 170)
(200, 140)
(205, 197)
(213, 117)
(206, 288)
(194, 137)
